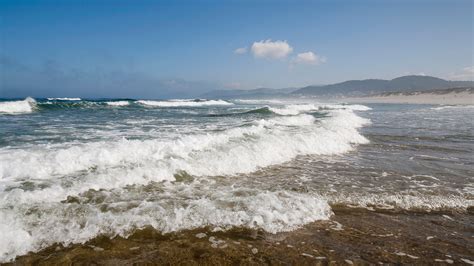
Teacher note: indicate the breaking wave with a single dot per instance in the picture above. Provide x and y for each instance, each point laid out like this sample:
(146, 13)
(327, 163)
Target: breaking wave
(258, 111)
(177, 171)
(64, 99)
(183, 103)
(295, 109)
(263, 143)
(34, 218)
(27, 105)
(118, 103)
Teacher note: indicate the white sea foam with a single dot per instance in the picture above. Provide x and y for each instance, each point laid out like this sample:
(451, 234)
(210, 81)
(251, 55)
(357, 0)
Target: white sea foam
(403, 201)
(354, 107)
(76, 223)
(64, 99)
(237, 150)
(183, 103)
(36, 218)
(17, 107)
(118, 103)
(69, 192)
(294, 109)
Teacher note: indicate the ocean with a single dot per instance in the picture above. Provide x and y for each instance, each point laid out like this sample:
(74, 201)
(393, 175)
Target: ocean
(72, 170)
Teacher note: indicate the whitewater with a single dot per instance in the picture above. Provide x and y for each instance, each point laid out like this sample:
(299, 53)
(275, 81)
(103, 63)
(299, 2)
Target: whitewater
(73, 169)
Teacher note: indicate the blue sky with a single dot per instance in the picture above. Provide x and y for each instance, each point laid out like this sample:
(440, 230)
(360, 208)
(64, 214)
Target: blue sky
(181, 48)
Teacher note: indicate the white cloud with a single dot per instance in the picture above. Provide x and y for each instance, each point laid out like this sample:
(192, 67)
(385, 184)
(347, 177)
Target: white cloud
(466, 73)
(309, 58)
(271, 50)
(241, 50)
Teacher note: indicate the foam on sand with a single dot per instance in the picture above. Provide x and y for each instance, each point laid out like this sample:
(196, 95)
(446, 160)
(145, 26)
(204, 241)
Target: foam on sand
(18, 107)
(403, 201)
(77, 223)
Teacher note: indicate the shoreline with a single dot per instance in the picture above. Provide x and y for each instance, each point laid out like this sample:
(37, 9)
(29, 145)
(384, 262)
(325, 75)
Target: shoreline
(434, 226)
(351, 236)
(463, 98)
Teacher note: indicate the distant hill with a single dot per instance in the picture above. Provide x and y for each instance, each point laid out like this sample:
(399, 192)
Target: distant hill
(351, 88)
(377, 86)
(255, 93)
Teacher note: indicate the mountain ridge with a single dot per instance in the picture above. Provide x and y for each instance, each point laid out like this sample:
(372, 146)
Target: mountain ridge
(365, 87)
(376, 86)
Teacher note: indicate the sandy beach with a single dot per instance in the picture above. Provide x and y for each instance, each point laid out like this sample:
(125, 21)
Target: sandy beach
(453, 97)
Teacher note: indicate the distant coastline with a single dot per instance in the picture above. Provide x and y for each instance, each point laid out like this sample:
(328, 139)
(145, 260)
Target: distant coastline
(452, 96)
(405, 89)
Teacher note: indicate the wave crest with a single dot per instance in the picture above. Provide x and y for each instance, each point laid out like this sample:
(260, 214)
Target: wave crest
(295, 109)
(183, 103)
(64, 99)
(118, 103)
(27, 105)
(236, 150)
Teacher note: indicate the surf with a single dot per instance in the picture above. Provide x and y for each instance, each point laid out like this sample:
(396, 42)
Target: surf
(74, 171)
(27, 105)
(183, 103)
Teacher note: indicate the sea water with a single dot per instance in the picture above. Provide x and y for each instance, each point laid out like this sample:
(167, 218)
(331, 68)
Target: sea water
(74, 169)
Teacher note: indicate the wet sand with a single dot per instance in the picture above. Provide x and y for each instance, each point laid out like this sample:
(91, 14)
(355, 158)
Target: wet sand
(352, 236)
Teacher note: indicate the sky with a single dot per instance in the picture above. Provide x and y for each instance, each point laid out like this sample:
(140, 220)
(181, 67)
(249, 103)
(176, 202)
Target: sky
(169, 49)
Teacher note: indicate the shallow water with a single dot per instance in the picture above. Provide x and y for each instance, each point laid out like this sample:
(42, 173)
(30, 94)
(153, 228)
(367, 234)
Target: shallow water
(71, 170)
